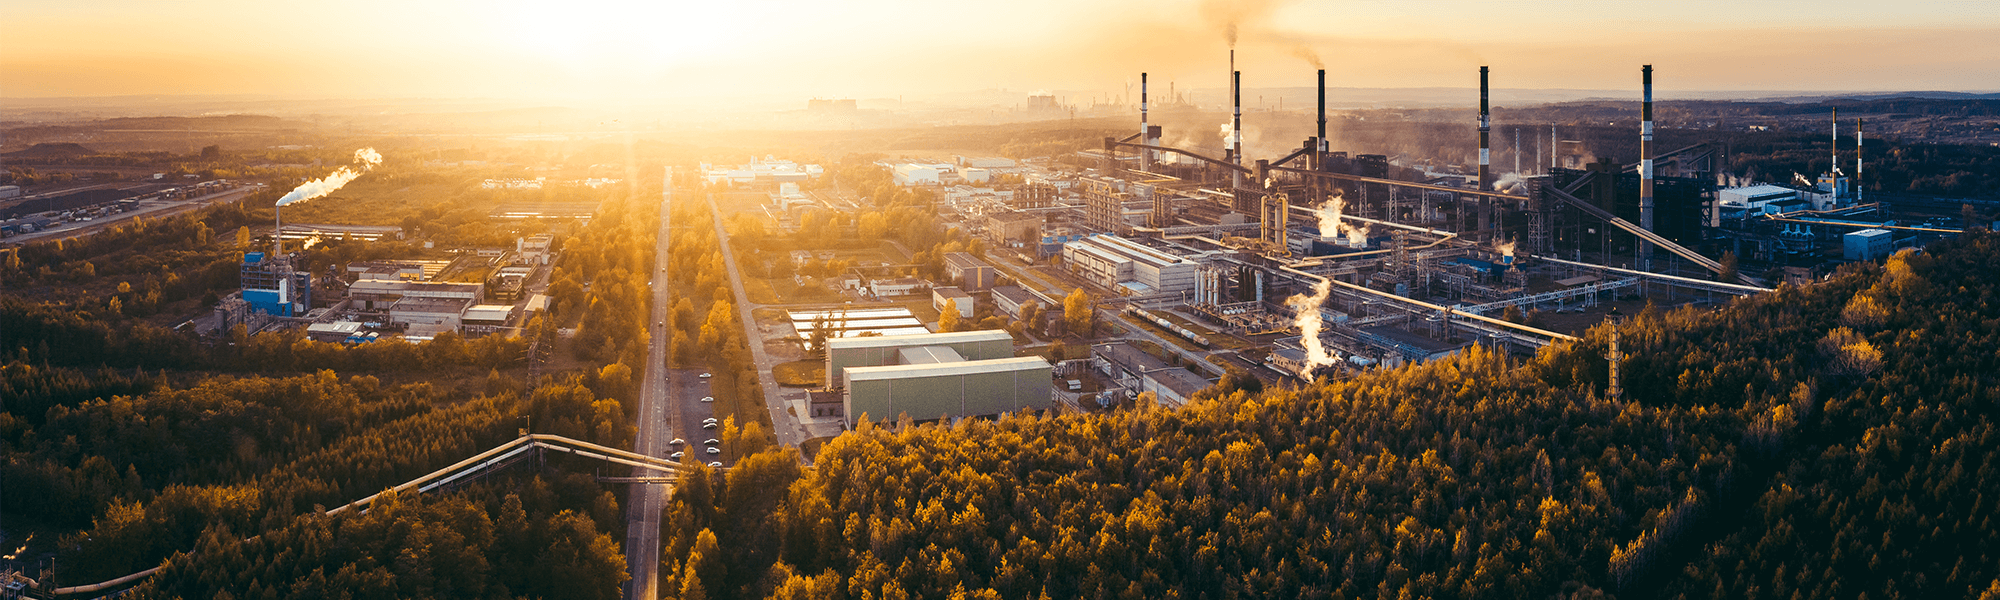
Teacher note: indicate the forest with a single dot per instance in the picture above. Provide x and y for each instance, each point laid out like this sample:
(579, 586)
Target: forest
(151, 446)
(1828, 441)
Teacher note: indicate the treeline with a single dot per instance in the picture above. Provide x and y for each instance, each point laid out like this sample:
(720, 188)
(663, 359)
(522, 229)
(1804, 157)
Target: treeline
(146, 475)
(1472, 476)
(473, 544)
(147, 471)
(1884, 494)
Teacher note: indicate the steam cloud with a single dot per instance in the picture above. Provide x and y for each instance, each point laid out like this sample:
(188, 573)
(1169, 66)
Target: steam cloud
(1310, 324)
(1330, 225)
(366, 157)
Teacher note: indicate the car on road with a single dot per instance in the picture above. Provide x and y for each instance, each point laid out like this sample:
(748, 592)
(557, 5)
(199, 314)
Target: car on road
(712, 442)
(676, 455)
(706, 375)
(711, 420)
(678, 442)
(708, 398)
(709, 425)
(714, 450)
(714, 465)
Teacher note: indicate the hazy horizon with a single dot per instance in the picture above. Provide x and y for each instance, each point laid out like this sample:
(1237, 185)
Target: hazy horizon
(606, 53)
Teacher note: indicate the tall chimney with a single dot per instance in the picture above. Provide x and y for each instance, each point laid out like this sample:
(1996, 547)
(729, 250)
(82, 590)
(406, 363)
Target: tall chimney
(1857, 160)
(1646, 167)
(1236, 121)
(1322, 111)
(1145, 131)
(1833, 168)
(1485, 159)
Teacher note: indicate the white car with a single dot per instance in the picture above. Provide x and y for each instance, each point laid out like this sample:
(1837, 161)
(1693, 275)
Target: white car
(708, 425)
(706, 375)
(708, 398)
(714, 450)
(714, 465)
(676, 455)
(712, 442)
(711, 420)
(678, 442)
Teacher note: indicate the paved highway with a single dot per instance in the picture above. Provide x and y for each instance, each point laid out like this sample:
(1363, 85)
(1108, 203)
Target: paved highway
(655, 429)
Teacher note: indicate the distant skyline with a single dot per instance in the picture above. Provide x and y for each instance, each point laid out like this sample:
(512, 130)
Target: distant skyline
(597, 51)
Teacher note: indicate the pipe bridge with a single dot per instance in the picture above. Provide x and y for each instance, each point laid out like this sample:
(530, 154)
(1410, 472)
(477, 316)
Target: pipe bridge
(474, 467)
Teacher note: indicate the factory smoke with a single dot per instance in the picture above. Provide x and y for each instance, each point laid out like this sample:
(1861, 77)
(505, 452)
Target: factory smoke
(1230, 16)
(366, 157)
(1306, 53)
(1309, 323)
(1331, 226)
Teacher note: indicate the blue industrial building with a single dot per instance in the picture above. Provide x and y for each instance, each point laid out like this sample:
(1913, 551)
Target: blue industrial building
(270, 285)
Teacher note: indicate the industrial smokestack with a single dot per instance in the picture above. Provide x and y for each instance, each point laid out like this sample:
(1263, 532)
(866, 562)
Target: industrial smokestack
(1236, 121)
(1485, 159)
(1833, 168)
(1145, 131)
(1857, 160)
(1322, 111)
(1646, 167)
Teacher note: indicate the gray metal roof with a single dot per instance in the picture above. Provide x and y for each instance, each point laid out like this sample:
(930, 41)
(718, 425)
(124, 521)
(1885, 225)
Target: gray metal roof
(921, 339)
(971, 367)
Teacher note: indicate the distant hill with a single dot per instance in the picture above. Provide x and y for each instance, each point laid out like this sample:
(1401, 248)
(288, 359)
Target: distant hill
(56, 149)
(198, 123)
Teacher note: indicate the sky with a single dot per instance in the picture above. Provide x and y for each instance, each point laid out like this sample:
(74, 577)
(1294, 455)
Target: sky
(611, 51)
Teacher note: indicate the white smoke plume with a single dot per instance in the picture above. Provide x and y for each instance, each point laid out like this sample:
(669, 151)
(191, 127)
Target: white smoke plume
(1331, 226)
(1507, 183)
(1309, 324)
(366, 157)
(1507, 248)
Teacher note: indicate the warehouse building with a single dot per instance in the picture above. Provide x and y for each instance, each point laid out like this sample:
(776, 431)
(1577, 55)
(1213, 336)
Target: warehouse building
(1124, 265)
(968, 271)
(927, 376)
(379, 294)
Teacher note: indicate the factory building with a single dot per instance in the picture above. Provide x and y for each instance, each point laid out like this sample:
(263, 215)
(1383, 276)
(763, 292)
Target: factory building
(769, 170)
(968, 271)
(1008, 300)
(927, 376)
(430, 314)
(378, 294)
(1867, 244)
(1736, 204)
(961, 301)
(1139, 372)
(1003, 228)
(1114, 205)
(270, 286)
(1121, 264)
(913, 174)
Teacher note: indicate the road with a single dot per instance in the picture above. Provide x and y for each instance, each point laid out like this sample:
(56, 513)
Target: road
(785, 428)
(655, 429)
(157, 209)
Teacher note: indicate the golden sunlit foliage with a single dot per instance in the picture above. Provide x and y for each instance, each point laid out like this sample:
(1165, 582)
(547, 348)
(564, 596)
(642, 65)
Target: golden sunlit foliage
(1473, 476)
